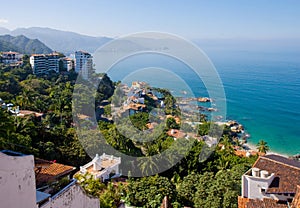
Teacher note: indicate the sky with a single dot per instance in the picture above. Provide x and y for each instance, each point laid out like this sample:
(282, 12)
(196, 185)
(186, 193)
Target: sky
(255, 19)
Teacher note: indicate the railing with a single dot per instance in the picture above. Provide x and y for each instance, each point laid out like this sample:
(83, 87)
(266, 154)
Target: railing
(73, 181)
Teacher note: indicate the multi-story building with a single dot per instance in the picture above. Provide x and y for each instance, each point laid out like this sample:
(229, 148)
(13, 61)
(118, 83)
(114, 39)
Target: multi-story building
(273, 181)
(11, 58)
(83, 63)
(68, 63)
(44, 63)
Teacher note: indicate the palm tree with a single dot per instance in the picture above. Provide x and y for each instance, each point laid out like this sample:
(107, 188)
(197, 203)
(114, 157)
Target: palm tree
(262, 147)
(148, 165)
(25, 99)
(203, 117)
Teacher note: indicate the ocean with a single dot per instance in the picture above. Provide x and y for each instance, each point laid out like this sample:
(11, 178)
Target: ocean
(262, 89)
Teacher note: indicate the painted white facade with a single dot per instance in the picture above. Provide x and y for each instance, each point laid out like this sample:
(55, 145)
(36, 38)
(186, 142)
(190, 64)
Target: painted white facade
(255, 183)
(18, 187)
(83, 63)
(11, 57)
(68, 64)
(72, 196)
(17, 181)
(101, 166)
(44, 63)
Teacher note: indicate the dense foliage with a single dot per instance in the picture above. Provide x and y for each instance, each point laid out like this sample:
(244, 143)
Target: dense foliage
(214, 182)
(22, 44)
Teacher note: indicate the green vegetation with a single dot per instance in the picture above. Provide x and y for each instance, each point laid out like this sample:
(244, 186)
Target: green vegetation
(22, 44)
(108, 194)
(262, 146)
(193, 181)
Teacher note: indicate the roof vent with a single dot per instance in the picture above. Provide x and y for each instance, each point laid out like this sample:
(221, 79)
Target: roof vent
(255, 172)
(264, 174)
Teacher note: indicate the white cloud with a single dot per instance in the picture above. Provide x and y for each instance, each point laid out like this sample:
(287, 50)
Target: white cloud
(3, 21)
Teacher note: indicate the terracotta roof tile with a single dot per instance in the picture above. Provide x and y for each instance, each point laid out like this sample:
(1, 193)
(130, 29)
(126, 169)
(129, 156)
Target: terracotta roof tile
(242, 202)
(47, 171)
(176, 133)
(296, 200)
(287, 173)
(265, 203)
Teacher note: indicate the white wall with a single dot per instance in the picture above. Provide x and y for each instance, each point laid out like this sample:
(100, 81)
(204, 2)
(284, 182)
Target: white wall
(17, 181)
(252, 186)
(73, 197)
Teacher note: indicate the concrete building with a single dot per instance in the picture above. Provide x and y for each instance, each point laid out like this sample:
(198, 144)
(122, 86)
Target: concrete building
(17, 180)
(11, 58)
(24, 182)
(273, 179)
(83, 63)
(102, 167)
(72, 196)
(68, 64)
(44, 63)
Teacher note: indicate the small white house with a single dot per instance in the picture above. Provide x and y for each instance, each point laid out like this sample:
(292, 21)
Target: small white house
(102, 166)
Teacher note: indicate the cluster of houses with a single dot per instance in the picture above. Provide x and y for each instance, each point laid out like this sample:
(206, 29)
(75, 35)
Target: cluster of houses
(27, 181)
(53, 62)
(135, 100)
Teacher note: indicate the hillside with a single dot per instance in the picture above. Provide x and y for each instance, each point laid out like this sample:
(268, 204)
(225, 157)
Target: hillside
(63, 41)
(22, 44)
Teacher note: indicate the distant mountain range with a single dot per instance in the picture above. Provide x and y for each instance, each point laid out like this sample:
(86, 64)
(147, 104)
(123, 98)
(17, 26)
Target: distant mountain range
(61, 41)
(22, 44)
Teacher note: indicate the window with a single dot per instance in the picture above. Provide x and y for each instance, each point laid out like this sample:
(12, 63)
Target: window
(263, 190)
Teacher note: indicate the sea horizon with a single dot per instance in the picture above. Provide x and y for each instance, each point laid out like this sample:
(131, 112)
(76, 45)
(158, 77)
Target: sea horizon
(262, 91)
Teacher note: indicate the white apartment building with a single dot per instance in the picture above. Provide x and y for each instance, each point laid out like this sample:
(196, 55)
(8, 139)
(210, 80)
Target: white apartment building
(68, 63)
(11, 57)
(83, 63)
(44, 63)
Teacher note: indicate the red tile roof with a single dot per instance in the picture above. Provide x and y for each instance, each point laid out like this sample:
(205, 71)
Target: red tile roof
(242, 202)
(47, 171)
(296, 200)
(287, 173)
(23, 113)
(265, 203)
(176, 133)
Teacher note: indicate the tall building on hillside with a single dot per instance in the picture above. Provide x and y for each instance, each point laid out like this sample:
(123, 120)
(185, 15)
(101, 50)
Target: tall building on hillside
(68, 64)
(11, 58)
(83, 63)
(44, 63)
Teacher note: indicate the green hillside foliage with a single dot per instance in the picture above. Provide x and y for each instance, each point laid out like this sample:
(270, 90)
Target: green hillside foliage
(23, 45)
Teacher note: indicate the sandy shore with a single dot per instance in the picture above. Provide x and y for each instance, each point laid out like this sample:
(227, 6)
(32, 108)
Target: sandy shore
(252, 147)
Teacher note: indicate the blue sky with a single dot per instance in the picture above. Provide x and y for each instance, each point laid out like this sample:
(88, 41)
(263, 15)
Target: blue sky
(255, 19)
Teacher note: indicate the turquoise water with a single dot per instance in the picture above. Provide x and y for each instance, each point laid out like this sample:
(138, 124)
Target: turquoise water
(262, 90)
